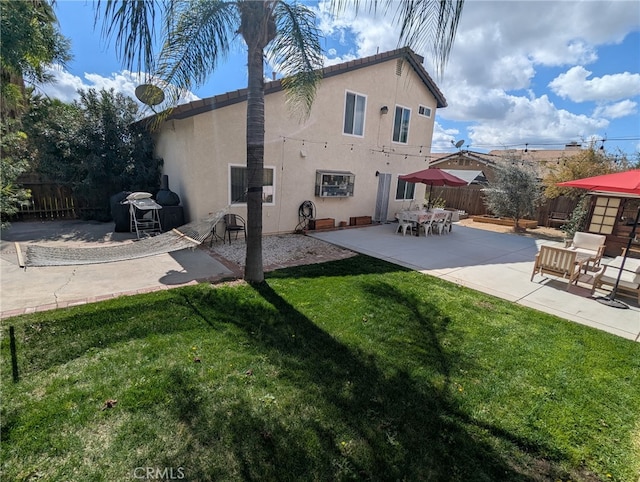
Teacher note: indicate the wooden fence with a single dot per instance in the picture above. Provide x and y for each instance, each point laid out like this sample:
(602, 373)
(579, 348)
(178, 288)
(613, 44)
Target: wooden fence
(49, 201)
(49, 208)
(471, 200)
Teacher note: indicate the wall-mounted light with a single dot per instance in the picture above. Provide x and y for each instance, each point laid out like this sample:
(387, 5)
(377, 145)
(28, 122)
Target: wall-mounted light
(377, 173)
(384, 109)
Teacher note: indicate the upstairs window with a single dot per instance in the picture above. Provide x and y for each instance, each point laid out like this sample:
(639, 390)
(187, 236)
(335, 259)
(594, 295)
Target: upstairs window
(424, 111)
(354, 109)
(401, 125)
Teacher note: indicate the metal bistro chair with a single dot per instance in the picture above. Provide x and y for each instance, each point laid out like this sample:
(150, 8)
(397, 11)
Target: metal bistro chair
(428, 225)
(404, 223)
(446, 224)
(233, 223)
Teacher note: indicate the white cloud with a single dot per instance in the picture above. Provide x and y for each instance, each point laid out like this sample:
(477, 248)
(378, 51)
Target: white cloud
(442, 138)
(65, 86)
(574, 85)
(536, 122)
(615, 111)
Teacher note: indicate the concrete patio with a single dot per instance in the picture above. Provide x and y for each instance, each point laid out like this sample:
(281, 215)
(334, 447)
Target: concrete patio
(494, 263)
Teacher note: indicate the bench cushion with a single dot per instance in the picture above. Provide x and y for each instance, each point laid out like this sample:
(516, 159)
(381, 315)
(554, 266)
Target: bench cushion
(588, 241)
(630, 277)
(631, 264)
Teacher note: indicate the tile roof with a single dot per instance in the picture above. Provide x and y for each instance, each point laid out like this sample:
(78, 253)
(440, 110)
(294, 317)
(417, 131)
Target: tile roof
(415, 61)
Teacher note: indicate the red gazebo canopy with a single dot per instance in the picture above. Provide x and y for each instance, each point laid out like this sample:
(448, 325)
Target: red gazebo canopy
(627, 182)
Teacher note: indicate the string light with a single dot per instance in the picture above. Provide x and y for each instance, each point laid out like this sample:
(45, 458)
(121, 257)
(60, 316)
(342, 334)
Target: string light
(386, 150)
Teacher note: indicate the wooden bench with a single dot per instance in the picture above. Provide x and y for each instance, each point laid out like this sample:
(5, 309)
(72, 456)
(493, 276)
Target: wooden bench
(556, 261)
(557, 218)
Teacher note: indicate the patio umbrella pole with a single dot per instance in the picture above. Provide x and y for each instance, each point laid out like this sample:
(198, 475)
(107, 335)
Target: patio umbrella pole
(610, 300)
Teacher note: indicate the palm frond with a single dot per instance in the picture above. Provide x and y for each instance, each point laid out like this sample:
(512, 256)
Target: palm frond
(430, 24)
(297, 53)
(132, 23)
(198, 36)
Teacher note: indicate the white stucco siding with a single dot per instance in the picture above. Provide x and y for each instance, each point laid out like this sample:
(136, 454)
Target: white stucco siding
(199, 149)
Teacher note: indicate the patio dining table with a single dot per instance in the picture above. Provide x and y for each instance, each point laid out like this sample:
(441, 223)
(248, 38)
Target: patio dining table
(421, 217)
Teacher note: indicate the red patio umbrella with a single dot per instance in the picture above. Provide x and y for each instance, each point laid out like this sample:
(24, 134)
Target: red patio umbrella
(433, 177)
(627, 182)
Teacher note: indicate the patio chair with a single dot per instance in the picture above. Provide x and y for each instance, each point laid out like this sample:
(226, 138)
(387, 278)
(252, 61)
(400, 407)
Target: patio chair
(427, 226)
(440, 222)
(588, 244)
(404, 223)
(233, 223)
(629, 278)
(556, 261)
(446, 224)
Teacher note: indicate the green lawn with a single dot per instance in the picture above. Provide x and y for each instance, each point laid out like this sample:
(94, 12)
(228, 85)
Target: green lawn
(349, 370)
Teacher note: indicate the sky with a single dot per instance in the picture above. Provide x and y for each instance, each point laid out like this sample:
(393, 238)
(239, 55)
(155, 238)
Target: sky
(521, 74)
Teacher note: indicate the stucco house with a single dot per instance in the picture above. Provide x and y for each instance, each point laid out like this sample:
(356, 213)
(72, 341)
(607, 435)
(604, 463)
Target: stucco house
(371, 121)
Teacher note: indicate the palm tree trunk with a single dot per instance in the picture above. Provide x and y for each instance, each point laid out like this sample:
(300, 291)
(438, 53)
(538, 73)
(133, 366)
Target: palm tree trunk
(258, 28)
(254, 272)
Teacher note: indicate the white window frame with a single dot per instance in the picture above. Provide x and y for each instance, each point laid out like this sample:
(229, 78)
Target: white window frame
(393, 131)
(424, 108)
(271, 188)
(364, 114)
(405, 198)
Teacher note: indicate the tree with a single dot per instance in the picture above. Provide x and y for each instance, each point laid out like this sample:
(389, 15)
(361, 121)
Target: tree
(14, 161)
(30, 41)
(516, 193)
(94, 146)
(198, 34)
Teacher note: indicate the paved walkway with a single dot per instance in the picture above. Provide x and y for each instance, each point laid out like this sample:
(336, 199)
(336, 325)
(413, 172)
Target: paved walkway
(495, 263)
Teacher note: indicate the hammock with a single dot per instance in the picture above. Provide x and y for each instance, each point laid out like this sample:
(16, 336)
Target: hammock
(186, 236)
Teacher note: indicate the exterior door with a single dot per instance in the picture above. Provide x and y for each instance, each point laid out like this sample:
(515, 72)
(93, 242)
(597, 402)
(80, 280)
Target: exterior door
(382, 198)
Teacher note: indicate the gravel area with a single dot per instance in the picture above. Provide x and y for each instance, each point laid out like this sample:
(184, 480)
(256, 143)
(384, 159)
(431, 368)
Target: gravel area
(283, 250)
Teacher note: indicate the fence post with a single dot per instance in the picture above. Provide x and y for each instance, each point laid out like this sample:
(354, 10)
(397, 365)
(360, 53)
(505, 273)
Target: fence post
(14, 354)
